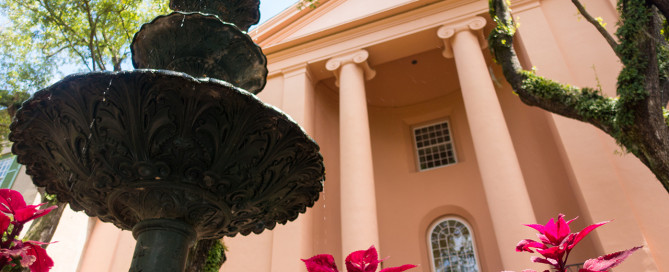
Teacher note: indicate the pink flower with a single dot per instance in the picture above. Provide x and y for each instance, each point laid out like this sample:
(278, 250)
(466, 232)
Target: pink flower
(42, 262)
(321, 263)
(362, 260)
(31, 254)
(553, 233)
(557, 241)
(527, 245)
(12, 202)
(358, 261)
(606, 262)
(13, 251)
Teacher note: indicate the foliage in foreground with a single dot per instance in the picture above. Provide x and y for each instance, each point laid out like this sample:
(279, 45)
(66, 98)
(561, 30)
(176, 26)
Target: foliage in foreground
(16, 254)
(557, 241)
(357, 261)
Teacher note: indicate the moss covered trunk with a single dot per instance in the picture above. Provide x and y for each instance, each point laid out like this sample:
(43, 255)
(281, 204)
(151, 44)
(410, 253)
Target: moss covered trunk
(206, 256)
(637, 118)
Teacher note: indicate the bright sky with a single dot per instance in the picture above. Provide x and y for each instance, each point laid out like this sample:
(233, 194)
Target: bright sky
(270, 8)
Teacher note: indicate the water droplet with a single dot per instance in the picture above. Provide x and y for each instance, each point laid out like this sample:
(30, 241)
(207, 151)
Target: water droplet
(69, 180)
(182, 21)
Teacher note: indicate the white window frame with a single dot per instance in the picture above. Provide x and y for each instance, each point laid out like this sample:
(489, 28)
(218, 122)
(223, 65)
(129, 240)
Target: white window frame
(471, 233)
(417, 149)
(7, 181)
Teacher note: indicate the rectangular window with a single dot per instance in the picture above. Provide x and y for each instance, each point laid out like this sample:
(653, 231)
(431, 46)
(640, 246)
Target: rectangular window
(9, 169)
(434, 145)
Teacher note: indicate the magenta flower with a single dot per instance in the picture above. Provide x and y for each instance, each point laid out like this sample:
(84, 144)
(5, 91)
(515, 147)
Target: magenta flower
(553, 233)
(12, 202)
(358, 261)
(557, 241)
(606, 262)
(16, 254)
(321, 263)
(30, 254)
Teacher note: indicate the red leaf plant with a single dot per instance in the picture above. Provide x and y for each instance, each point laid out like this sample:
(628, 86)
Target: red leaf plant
(16, 254)
(358, 261)
(557, 241)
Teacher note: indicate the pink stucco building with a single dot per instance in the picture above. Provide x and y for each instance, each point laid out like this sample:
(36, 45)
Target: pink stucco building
(429, 155)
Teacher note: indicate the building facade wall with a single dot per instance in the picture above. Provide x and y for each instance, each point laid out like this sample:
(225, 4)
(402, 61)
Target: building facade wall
(567, 166)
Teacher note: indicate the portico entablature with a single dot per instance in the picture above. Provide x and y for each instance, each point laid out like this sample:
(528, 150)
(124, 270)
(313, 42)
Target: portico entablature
(376, 36)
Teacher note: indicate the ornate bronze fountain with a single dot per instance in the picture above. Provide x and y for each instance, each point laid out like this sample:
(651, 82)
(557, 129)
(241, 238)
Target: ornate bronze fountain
(179, 149)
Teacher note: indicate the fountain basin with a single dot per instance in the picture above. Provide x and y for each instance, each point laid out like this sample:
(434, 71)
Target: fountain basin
(152, 144)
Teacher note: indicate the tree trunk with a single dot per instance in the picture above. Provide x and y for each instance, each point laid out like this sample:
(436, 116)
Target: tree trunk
(206, 256)
(43, 228)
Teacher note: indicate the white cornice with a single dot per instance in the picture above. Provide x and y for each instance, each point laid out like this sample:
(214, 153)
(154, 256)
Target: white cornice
(298, 69)
(523, 5)
(320, 47)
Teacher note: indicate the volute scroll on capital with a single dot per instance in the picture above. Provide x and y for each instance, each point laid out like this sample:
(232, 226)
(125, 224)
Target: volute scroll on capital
(447, 32)
(359, 57)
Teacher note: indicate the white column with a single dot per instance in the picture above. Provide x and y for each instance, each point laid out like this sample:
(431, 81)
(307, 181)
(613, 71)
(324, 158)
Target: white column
(294, 241)
(358, 196)
(503, 182)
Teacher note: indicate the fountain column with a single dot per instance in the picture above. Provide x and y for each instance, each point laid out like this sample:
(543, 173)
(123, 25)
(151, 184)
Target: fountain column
(503, 181)
(358, 196)
(161, 245)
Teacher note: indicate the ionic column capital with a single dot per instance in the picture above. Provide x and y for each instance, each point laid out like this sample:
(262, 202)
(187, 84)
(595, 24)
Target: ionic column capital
(447, 32)
(358, 57)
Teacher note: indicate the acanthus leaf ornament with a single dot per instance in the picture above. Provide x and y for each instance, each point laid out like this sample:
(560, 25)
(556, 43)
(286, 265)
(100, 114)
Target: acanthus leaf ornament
(164, 145)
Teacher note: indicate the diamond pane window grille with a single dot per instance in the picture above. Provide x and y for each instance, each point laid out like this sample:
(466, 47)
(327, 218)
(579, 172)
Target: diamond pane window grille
(452, 247)
(434, 145)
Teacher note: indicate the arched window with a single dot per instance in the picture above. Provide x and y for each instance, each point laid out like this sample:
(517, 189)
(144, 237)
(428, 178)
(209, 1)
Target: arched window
(452, 246)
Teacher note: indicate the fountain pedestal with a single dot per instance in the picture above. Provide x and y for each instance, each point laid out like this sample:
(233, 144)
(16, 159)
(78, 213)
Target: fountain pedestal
(161, 245)
(174, 157)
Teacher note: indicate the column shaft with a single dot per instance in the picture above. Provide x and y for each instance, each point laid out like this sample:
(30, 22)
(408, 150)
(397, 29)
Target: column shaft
(358, 196)
(503, 182)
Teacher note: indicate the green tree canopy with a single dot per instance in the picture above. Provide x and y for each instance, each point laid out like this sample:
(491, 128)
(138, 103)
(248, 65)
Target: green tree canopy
(40, 37)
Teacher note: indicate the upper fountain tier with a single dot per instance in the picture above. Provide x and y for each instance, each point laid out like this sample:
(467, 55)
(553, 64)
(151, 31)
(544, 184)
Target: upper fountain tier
(243, 13)
(200, 45)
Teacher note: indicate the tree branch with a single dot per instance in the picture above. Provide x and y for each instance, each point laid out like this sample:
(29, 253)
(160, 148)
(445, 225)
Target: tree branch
(635, 119)
(642, 127)
(126, 31)
(65, 29)
(609, 39)
(662, 5)
(43, 228)
(94, 43)
(51, 54)
(116, 61)
(586, 104)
